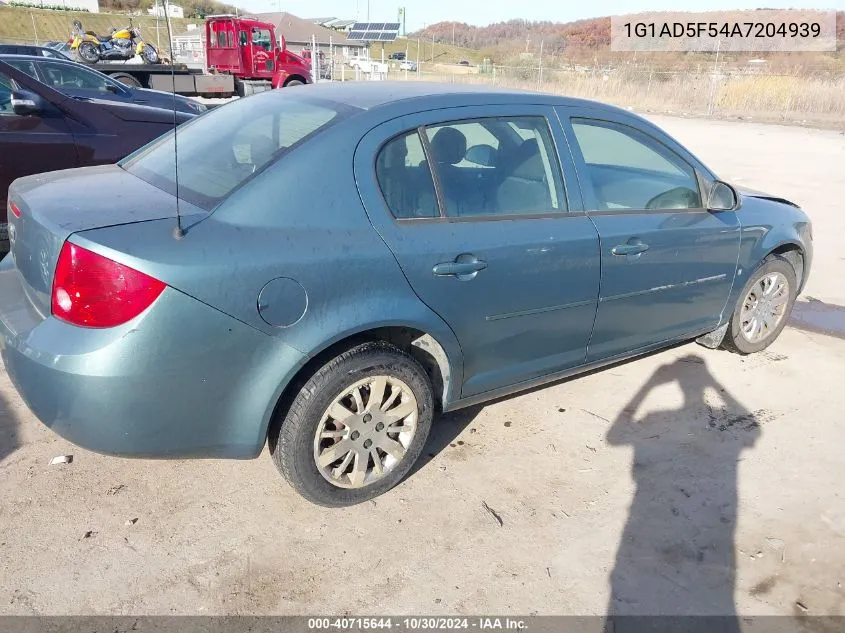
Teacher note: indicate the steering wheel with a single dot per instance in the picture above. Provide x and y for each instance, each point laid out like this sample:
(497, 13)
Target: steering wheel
(677, 198)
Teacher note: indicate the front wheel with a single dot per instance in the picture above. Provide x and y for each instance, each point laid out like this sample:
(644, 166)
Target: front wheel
(763, 308)
(293, 82)
(88, 53)
(356, 427)
(149, 54)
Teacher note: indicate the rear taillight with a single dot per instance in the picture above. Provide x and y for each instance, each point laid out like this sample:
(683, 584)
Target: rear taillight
(14, 210)
(93, 291)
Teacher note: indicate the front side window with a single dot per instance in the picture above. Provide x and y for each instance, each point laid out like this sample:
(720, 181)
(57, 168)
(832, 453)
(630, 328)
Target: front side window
(405, 180)
(497, 166)
(25, 66)
(261, 37)
(6, 90)
(73, 76)
(630, 170)
(224, 148)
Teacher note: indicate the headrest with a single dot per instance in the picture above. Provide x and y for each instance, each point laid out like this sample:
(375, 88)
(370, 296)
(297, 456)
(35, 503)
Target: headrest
(529, 163)
(449, 146)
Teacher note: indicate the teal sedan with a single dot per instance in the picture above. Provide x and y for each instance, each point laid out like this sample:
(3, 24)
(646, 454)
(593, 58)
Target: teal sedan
(330, 268)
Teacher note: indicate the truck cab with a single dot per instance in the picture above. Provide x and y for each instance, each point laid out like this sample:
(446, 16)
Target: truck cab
(249, 50)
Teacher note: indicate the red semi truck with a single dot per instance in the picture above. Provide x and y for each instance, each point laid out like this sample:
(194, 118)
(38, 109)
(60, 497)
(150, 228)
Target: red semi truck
(243, 56)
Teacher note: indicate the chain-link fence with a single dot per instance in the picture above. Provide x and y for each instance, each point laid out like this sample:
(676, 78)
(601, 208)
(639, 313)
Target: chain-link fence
(818, 97)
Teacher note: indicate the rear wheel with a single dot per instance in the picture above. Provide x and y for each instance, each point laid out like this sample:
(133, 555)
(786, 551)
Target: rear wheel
(356, 427)
(293, 82)
(88, 53)
(763, 307)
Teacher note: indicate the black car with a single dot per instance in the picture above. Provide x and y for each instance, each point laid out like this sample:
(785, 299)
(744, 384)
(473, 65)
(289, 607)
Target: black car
(42, 129)
(37, 51)
(78, 81)
(398, 55)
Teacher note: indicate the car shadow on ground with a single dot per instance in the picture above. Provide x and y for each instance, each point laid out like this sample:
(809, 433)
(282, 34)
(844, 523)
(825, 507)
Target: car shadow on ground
(818, 317)
(9, 438)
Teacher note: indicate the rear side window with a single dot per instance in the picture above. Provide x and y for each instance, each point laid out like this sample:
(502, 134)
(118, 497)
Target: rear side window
(224, 148)
(500, 166)
(405, 180)
(630, 170)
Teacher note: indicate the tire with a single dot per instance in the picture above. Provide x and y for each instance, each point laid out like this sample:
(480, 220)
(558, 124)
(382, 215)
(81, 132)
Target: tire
(293, 82)
(149, 54)
(127, 80)
(293, 438)
(736, 339)
(88, 53)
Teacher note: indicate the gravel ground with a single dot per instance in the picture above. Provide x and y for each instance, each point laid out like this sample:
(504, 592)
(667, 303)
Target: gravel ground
(690, 481)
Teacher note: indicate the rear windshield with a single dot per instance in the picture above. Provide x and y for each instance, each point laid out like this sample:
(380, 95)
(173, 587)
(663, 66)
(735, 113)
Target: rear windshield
(221, 150)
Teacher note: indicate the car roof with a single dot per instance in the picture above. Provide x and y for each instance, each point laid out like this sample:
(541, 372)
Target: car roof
(367, 95)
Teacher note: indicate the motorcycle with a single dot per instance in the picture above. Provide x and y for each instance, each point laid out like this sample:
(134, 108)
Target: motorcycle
(122, 44)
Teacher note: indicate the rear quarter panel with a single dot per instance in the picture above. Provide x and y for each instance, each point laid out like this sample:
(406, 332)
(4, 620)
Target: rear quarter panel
(301, 219)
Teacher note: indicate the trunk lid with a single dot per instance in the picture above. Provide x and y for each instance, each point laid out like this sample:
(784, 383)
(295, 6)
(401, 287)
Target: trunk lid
(57, 204)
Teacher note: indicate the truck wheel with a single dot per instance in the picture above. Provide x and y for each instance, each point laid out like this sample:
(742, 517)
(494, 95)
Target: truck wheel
(356, 427)
(293, 82)
(88, 53)
(127, 80)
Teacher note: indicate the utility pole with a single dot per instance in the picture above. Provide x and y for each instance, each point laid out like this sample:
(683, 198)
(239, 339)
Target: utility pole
(453, 33)
(540, 73)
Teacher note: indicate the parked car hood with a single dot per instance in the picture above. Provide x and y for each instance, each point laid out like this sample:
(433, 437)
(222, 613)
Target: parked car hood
(144, 113)
(164, 99)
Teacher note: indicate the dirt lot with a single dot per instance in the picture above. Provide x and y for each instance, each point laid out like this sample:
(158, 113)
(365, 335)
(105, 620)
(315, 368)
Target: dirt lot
(691, 481)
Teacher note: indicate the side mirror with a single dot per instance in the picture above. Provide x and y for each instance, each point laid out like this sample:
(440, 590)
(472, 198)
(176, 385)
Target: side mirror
(722, 197)
(25, 103)
(113, 89)
(484, 155)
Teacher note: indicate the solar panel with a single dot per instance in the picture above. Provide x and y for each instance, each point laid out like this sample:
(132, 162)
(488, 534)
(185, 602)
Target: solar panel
(374, 31)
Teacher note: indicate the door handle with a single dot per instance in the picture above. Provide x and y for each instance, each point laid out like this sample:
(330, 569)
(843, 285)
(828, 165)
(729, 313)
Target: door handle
(629, 249)
(464, 267)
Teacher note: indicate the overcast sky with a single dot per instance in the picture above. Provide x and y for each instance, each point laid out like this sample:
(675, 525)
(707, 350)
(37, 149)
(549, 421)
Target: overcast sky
(482, 12)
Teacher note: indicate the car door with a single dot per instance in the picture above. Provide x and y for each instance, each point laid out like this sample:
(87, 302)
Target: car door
(33, 143)
(507, 258)
(668, 263)
(77, 81)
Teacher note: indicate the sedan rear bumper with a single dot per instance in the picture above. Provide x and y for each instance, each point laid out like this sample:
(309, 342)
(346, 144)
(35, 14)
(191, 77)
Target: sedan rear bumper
(180, 380)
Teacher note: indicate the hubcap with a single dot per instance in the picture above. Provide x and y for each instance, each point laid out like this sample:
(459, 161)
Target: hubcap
(764, 307)
(365, 432)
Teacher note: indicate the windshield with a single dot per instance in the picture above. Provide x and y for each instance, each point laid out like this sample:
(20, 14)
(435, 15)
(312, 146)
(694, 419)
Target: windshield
(224, 148)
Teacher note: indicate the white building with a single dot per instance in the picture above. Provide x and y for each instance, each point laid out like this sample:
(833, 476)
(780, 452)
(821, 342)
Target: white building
(92, 6)
(173, 10)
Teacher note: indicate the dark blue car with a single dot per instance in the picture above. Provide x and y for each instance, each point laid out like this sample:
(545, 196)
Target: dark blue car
(351, 259)
(76, 80)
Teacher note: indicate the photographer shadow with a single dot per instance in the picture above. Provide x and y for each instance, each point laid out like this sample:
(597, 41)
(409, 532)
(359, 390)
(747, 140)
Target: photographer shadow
(677, 552)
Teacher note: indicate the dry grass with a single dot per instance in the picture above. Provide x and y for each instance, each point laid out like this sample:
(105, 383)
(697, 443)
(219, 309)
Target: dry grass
(18, 24)
(786, 98)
